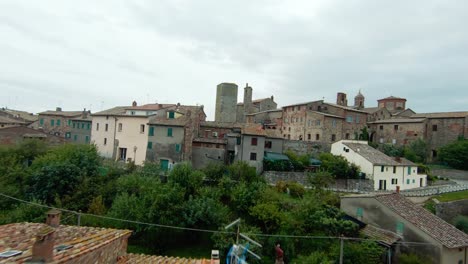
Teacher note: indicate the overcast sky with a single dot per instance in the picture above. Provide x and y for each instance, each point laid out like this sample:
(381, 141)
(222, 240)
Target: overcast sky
(100, 54)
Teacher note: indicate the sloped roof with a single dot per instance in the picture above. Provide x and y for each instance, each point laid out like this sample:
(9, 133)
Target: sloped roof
(7, 120)
(21, 114)
(441, 115)
(150, 107)
(328, 115)
(392, 98)
(61, 113)
(188, 112)
(254, 130)
(141, 258)
(398, 120)
(371, 110)
(118, 110)
(438, 229)
(21, 236)
(375, 156)
(220, 124)
(272, 133)
(384, 236)
(346, 108)
(261, 100)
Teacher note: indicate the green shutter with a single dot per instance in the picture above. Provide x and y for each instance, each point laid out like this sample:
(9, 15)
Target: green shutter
(359, 212)
(69, 122)
(407, 181)
(151, 131)
(73, 125)
(171, 115)
(67, 135)
(58, 122)
(177, 148)
(87, 139)
(82, 125)
(75, 137)
(409, 170)
(88, 126)
(150, 145)
(400, 227)
(52, 122)
(169, 131)
(41, 121)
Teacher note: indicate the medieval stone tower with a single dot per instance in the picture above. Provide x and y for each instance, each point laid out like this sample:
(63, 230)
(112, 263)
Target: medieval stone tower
(341, 99)
(226, 102)
(359, 101)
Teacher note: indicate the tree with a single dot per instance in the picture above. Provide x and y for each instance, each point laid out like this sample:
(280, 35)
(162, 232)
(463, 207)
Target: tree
(416, 151)
(241, 171)
(338, 166)
(184, 176)
(321, 180)
(364, 134)
(455, 154)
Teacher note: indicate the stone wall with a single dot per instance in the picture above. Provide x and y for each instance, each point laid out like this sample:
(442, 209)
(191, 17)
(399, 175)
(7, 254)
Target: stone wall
(272, 177)
(449, 210)
(305, 147)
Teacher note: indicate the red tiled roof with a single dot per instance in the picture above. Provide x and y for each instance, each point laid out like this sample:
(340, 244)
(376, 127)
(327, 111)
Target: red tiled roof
(255, 130)
(150, 107)
(141, 258)
(21, 236)
(438, 229)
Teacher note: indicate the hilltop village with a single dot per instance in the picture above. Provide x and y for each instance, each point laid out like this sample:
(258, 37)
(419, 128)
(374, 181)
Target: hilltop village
(339, 171)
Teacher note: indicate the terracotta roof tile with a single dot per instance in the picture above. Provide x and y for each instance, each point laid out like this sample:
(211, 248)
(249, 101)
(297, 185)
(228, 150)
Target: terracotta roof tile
(61, 113)
(118, 110)
(21, 236)
(141, 258)
(438, 229)
(441, 115)
(255, 130)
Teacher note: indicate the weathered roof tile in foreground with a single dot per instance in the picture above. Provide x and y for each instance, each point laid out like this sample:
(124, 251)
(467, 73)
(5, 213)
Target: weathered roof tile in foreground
(438, 229)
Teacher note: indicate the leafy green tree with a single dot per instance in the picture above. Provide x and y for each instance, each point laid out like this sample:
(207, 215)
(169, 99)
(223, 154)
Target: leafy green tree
(392, 150)
(416, 151)
(268, 216)
(186, 177)
(338, 166)
(365, 252)
(412, 259)
(461, 222)
(245, 195)
(215, 171)
(204, 212)
(455, 154)
(317, 257)
(241, 171)
(321, 180)
(364, 134)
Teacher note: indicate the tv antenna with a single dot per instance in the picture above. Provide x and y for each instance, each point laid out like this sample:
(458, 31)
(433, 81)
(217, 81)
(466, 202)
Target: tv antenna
(237, 253)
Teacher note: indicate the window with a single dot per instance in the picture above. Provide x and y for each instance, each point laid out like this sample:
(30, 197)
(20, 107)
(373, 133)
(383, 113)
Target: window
(409, 170)
(142, 128)
(69, 122)
(150, 145)
(268, 144)
(238, 141)
(317, 136)
(105, 141)
(359, 212)
(88, 126)
(407, 181)
(357, 119)
(75, 137)
(394, 169)
(395, 127)
(333, 123)
(177, 148)
(309, 137)
(132, 112)
(381, 127)
(253, 141)
(347, 136)
(414, 181)
(171, 115)
(73, 125)
(169, 131)
(107, 127)
(82, 125)
(58, 122)
(382, 168)
(97, 126)
(317, 122)
(151, 131)
(123, 153)
(120, 127)
(349, 119)
(87, 139)
(67, 135)
(52, 121)
(333, 137)
(399, 228)
(41, 121)
(394, 181)
(434, 127)
(253, 156)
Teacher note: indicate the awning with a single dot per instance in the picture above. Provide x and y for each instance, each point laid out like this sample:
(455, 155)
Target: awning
(275, 156)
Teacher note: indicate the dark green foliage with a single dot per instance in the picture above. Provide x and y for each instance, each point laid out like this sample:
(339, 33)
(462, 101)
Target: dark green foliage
(316, 257)
(455, 154)
(364, 134)
(278, 165)
(364, 252)
(214, 171)
(338, 166)
(241, 171)
(297, 162)
(392, 150)
(320, 180)
(412, 259)
(461, 222)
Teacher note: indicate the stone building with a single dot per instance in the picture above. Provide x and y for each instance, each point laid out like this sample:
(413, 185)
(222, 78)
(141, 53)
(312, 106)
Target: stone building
(16, 135)
(392, 103)
(10, 117)
(226, 102)
(321, 121)
(80, 132)
(422, 232)
(57, 122)
(229, 111)
(172, 132)
(442, 129)
(397, 131)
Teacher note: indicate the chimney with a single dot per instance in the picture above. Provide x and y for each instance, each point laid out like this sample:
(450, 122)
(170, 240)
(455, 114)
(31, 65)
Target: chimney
(134, 103)
(53, 218)
(398, 159)
(58, 109)
(85, 114)
(214, 257)
(43, 247)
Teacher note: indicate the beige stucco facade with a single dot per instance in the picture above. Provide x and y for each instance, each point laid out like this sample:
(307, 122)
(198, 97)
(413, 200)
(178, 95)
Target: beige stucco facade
(103, 138)
(131, 138)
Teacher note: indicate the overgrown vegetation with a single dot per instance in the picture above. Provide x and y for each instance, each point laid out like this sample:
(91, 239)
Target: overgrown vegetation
(75, 177)
(455, 154)
(416, 151)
